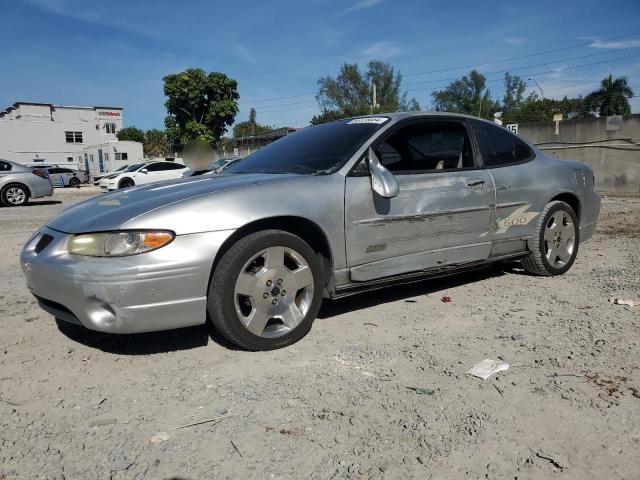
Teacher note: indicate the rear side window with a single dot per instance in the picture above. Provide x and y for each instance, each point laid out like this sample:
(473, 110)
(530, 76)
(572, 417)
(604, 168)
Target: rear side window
(500, 147)
(173, 166)
(5, 167)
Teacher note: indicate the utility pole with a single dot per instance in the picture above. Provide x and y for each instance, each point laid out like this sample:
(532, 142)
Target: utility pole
(375, 100)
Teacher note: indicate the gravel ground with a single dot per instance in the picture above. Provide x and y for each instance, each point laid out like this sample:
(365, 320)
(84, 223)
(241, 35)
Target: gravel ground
(378, 389)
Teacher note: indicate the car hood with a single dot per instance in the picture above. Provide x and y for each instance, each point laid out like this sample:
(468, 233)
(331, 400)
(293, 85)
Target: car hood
(110, 211)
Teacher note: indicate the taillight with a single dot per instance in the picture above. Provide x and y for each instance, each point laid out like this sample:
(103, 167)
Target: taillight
(41, 173)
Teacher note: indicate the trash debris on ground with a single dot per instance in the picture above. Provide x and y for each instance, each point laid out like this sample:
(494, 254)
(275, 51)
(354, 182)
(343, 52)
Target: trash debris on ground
(208, 420)
(620, 301)
(422, 391)
(487, 367)
(160, 437)
(446, 299)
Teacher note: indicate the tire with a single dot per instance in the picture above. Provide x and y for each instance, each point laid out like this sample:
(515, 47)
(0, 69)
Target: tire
(248, 301)
(14, 195)
(126, 182)
(554, 246)
(74, 182)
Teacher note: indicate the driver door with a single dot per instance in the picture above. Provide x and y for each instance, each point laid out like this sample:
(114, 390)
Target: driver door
(442, 214)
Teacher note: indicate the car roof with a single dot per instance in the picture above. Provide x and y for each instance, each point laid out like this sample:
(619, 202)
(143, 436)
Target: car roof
(20, 167)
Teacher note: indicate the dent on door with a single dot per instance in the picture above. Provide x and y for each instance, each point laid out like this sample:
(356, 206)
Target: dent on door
(437, 219)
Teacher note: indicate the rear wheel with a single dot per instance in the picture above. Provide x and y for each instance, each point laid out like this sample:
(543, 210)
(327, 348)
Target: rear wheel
(126, 183)
(556, 241)
(14, 195)
(266, 291)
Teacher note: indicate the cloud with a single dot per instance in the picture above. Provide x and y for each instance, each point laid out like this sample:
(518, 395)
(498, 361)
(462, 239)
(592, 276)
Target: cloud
(619, 44)
(383, 50)
(361, 5)
(245, 54)
(513, 40)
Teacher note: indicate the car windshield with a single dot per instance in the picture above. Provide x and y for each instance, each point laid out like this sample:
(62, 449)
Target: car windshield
(316, 150)
(135, 167)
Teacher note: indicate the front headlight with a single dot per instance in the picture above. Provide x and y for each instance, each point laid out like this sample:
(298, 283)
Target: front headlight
(118, 244)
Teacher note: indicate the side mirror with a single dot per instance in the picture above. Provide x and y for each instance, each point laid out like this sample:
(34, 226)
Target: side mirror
(144, 170)
(382, 180)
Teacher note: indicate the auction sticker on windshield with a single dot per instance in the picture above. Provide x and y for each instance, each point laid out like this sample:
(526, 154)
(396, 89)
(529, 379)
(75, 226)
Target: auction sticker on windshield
(375, 120)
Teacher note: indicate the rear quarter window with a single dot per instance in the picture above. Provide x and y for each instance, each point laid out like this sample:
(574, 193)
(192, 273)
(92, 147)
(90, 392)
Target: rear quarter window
(500, 147)
(5, 167)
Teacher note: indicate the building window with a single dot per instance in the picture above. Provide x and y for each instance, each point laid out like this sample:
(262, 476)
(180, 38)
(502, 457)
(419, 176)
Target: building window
(69, 159)
(122, 156)
(110, 127)
(106, 156)
(73, 137)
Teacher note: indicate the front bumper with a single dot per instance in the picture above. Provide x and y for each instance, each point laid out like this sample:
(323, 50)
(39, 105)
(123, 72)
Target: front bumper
(158, 290)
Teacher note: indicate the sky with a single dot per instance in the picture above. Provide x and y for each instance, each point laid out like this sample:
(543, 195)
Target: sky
(115, 53)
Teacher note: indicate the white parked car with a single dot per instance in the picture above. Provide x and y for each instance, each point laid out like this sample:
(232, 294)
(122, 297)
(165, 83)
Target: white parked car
(142, 173)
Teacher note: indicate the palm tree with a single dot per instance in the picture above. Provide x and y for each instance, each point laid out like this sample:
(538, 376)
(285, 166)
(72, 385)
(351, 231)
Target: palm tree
(155, 144)
(612, 97)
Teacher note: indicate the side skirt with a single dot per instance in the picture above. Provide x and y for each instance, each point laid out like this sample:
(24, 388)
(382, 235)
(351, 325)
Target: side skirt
(413, 277)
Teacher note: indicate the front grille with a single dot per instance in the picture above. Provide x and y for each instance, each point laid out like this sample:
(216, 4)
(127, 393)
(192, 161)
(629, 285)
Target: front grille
(42, 243)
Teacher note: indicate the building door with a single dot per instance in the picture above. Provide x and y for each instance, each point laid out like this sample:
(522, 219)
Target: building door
(86, 162)
(100, 161)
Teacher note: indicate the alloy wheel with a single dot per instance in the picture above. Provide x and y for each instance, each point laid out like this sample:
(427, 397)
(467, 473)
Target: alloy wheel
(559, 239)
(273, 291)
(16, 196)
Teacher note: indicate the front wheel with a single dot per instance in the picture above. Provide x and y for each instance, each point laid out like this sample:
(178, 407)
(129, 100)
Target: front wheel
(74, 182)
(555, 243)
(266, 291)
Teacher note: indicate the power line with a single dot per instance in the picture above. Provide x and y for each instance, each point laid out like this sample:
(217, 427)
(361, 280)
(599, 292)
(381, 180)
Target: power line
(519, 68)
(256, 102)
(543, 73)
(545, 52)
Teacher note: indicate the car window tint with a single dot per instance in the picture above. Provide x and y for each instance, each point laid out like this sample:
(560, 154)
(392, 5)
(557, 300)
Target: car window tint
(319, 149)
(500, 147)
(427, 146)
(53, 170)
(155, 167)
(173, 166)
(5, 167)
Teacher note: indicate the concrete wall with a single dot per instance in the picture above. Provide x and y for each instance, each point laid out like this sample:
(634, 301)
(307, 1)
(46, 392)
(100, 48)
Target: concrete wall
(614, 155)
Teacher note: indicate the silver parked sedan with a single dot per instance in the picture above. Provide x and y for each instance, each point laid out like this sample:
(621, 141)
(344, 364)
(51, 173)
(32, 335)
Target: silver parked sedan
(19, 183)
(328, 211)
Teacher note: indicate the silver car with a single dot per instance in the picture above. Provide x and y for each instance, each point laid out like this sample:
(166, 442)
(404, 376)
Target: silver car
(325, 212)
(19, 183)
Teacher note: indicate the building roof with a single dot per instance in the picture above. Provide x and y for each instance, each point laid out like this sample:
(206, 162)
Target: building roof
(54, 106)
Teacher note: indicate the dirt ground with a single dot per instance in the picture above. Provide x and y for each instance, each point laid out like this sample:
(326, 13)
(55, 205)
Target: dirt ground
(378, 388)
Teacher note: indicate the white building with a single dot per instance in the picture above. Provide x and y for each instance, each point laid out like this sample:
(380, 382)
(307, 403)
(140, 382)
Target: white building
(80, 137)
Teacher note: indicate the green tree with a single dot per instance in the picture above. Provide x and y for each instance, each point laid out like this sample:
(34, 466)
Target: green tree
(155, 143)
(200, 105)
(536, 109)
(612, 97)
(351, 92)
(250, 127)
(469, 95)
(132, 134)
(514, 88)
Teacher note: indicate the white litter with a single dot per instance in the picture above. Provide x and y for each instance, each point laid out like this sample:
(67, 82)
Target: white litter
(160, 437)
(487, 367)
(619, 301)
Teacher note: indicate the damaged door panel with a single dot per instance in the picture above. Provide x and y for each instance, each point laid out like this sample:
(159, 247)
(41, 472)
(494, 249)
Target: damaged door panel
(437, 219)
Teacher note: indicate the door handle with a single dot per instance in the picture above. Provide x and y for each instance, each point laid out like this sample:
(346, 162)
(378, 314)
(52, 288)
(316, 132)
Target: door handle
(475, 182)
